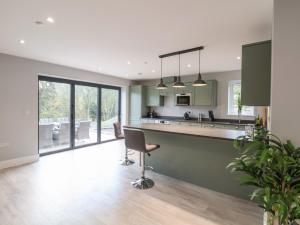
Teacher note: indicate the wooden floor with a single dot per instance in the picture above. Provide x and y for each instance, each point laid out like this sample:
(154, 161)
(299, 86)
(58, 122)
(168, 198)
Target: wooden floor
(88, 187)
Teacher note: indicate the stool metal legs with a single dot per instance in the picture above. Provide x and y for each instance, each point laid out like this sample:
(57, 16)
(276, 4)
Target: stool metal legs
(127, 161)
(143, 182)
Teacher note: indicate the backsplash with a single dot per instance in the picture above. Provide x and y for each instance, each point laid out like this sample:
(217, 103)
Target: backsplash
(223, 78)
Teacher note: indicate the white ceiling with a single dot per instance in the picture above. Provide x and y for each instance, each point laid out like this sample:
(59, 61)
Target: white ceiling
(89, 34)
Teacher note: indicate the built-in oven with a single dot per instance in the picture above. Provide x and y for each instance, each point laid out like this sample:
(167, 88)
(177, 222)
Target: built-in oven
(183, 99)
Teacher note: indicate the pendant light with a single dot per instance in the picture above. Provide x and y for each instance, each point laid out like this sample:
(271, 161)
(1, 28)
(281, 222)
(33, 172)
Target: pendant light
(199, 82)
(178, 83)
(161, 85)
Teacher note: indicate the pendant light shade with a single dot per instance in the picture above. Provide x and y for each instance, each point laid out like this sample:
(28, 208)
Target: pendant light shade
(161, 85)
(199, 82)
(178, 83)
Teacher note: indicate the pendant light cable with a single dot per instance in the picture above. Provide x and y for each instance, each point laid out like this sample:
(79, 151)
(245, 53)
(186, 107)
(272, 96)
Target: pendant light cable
(199, 82)
(160, 68)
(161, 84)
(199, 60)
(179, 67)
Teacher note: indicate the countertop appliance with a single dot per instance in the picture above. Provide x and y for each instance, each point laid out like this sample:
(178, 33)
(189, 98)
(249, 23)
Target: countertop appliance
(211, 115)
(186, 115)
(183, 99)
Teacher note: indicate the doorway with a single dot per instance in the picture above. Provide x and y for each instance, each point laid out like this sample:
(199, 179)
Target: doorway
(75, 114)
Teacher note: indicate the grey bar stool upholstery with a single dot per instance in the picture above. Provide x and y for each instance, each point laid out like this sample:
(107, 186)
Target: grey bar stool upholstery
(119, 135)
(135, 140)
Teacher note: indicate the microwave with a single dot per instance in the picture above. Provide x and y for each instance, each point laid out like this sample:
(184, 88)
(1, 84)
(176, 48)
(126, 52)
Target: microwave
(183, 99)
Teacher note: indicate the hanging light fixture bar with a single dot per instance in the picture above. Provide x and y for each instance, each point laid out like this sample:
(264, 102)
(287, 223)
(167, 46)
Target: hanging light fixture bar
(181, 52)
(177, 82)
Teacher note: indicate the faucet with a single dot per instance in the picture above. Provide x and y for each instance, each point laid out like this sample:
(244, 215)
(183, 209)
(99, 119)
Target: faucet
(199, 117)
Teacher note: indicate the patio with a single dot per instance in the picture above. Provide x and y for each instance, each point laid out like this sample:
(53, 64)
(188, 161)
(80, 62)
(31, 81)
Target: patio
(54, 136)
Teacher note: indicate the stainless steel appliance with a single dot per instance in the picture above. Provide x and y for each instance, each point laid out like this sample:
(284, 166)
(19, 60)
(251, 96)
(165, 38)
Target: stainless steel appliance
(186, 115)
(183, 99)
(211, 115)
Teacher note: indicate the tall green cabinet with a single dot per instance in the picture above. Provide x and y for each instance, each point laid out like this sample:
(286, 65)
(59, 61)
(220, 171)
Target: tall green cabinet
(137, 103)
(256, 74)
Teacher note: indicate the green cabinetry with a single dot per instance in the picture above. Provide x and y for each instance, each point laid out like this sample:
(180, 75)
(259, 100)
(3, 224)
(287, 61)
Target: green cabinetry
(186, 90)
(168, 81)
(256, 74)
(206, 95)
(153, 97)
(137, 103)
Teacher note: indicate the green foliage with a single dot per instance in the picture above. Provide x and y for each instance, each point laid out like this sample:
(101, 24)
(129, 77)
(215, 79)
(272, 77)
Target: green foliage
(54, 102)
(110, 103)
(274, 168)
(239, 104)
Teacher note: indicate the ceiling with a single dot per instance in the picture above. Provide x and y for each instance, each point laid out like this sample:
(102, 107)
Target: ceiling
(103, 35)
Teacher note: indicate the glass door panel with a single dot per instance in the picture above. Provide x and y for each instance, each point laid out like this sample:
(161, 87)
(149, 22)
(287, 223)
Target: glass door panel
(109, 112)
(54, 116)
(86, 115)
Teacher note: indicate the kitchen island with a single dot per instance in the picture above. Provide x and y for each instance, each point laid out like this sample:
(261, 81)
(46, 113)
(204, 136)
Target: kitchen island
(195, 154)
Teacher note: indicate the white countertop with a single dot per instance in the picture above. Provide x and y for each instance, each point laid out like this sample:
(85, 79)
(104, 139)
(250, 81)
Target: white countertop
(218, 133)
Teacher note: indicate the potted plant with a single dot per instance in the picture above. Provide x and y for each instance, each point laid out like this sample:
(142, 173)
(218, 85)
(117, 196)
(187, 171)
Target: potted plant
(273, 167)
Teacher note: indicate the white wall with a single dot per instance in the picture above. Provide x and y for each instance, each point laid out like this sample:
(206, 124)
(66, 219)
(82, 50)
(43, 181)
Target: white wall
(19, 101)
(285, 103)
(169, 109)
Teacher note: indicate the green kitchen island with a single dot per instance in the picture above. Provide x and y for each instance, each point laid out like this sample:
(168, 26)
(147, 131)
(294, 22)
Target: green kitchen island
(195, 154)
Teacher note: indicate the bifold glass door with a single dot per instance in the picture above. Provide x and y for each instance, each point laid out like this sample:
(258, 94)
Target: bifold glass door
(54, 116)
(86, 115)
(109, 112)
(69, 114)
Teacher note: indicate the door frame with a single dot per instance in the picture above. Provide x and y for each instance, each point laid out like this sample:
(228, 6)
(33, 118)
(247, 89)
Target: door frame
(72, 84)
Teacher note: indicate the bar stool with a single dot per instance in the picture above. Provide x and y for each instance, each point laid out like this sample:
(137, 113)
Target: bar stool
(119, 135)
(135, 140)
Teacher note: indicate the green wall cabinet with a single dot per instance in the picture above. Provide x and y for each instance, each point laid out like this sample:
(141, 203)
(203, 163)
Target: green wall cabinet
(187, 89)
(153, 97)
(256, 74)
(166, 92)
(168, 81)
(206, 95)
(137, 103)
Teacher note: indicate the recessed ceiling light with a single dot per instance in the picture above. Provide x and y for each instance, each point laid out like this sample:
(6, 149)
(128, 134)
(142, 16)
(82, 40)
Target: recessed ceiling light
(153, 71)
(50, 20)
(238, 57)
(128, 62)
(22, 41)
(189, 65)
(99, 69)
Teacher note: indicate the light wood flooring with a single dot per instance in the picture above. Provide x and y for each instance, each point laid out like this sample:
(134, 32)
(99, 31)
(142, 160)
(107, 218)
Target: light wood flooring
(89, 187)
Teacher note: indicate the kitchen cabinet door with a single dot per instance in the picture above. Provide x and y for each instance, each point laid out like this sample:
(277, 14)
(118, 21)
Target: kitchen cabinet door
(153, 97)
(166, 92)
(186, 90)
(256, 74)
(206, 95)
(136, 103)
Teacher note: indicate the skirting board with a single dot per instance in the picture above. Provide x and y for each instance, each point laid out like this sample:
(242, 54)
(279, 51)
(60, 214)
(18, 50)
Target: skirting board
(18, 161)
